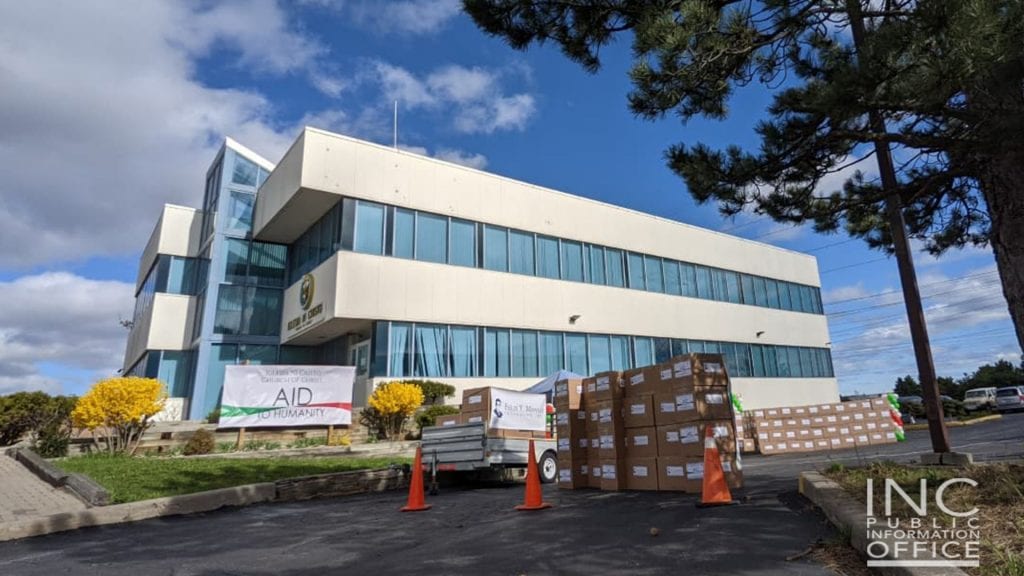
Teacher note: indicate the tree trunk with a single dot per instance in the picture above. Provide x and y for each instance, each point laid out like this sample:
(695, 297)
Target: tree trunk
(1003, 187)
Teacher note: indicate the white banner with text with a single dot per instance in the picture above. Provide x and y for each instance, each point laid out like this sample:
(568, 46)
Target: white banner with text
(273, 395)
(512, 410)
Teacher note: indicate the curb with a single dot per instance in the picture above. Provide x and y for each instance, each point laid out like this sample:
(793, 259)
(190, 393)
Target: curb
(848, 516)
(957, 423)
(286, 490)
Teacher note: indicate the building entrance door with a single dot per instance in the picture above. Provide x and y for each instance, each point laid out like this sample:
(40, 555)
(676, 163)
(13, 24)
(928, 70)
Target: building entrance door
(359, 356)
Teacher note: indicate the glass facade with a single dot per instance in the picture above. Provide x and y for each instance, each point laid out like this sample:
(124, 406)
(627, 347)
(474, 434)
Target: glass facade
(390, 231)
(438, 350)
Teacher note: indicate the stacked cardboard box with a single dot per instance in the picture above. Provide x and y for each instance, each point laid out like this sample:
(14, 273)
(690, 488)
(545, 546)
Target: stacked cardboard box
(645, 428)
(570, 431)
(836, 426)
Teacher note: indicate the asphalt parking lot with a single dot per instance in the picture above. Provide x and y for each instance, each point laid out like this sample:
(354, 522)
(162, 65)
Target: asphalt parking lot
(476, 531)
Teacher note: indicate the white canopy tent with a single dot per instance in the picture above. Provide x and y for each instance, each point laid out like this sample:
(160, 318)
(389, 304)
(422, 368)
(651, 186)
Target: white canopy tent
(547, 385)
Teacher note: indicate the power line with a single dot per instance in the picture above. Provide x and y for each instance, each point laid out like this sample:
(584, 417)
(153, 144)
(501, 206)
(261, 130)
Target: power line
(887, 292)
(841, 242)
(855, 265)
(991, 333)
(841, 313)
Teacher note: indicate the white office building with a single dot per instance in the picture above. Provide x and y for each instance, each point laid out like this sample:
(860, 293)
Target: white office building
(348, 252)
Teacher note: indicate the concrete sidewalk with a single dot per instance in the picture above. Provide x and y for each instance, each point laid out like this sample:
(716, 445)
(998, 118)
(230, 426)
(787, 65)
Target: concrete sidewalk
(23, 496)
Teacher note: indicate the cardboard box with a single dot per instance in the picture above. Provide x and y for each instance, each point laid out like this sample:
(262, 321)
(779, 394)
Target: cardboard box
(668, 440)
(606, 412)
(681, 405)
(567, 394)
(612, 477)
(594, 471)
(638, 411)
(448, 420)
(476, 399)
(611, 445)
(572, 474)
(606, 386)
(473, 417)
(639, 381)
(641, 442)
(641, 473)
(672, 475)
(748, 445)
(691, 439)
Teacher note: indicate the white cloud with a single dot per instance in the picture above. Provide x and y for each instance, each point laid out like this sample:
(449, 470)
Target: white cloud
(478, 161)
(844, 293)
(407, 17)
(63, 320)
(473, 97)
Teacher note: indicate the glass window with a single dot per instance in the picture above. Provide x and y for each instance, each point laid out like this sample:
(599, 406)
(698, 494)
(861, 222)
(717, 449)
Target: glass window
(621, 359)
(431, 238)
(655, 281)
(757, 360)
(721, 290)
(784, 302)
(679, 347)
(773, 293)
(696, 346)
(635, 267)
(257, 354)
(405, 224)
(576, 350)
(818, 309)
(267, 263)
(463, 248)
(782, 359)
(673, 284)
(747, 285)
(547, 257)
(600, 354)
(806, 364)
(221, 355)
(729, 354)
(175, 372)
(712, 347)
(732, 287)
(830, 370)
(430, 358)
(496, 248)
(572, 261)
(760, 292)
(613, 267)
(522, 252)
(463, 348)
(662, 349)
(400, 345)
(743, 360)
(244, 172)
(689, 275)
(814, 360)
(596, 262)
(704, 284)
(230, 304)
(240, 212)
(552, 353)
(236, 261)
(369, 228)
(771, 362)
(496, 353)
(264, 315)
(643, 351)
(524, 354)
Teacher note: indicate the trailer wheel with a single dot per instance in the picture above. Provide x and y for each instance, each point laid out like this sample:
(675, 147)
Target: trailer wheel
(548, 468)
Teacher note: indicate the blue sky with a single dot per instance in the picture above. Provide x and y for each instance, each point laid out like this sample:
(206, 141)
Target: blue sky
(109, 111)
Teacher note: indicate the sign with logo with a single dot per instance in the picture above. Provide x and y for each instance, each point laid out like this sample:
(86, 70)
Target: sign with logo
(311, 313)
(272, 395)
(512, 410)
(926, 529)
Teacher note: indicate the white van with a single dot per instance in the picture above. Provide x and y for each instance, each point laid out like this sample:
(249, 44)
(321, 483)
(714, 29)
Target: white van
(980, 399)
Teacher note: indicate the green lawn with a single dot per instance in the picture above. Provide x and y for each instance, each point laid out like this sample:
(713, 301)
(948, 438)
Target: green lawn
(132, 479)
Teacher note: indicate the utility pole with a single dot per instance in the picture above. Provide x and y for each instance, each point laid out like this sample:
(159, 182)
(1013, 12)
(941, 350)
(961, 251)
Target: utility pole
(904, 260)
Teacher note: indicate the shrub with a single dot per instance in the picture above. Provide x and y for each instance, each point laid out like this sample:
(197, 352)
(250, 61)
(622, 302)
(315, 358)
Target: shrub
(213, 417)
(201, 442)
(428, 416)
(433, 392)
(51, 427)
(120, 408)
(16, 411)
(394, 403)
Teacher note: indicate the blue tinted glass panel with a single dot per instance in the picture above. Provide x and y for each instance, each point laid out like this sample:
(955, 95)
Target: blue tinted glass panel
(613, 267)
(760, 291)
(662, 349)
(635, 266)
(732, 286)
(267, 263)
(643, 352)
(747, 286)
(431, 238)
(600, 354)
(240, 212)
(576, 348)
(596, 258)
(463, 249)
(524, 354)
(264, 315)
(784, 302)
(547, 257)
(464, 356)
(181, 275)
(230, 304)
(522, 252)
(431, 351)
(572, 261)
(236, 260)
(704, 286)
(689, 276)
(221, 355)
(496, 248)
(496, 353)
(720, 289)
(673, 283)
(552, 353)
(771, 362)
(621, 358)
(244, 172)
(696, 346)
(655, 280)
(773, 293)
(711, 347)
(400, 350)
(757, 358)
(369, 228)
(405, 223)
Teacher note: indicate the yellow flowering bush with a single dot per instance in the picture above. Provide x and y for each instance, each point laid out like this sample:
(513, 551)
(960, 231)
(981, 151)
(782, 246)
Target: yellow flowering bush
(393, 403)
(120, 409)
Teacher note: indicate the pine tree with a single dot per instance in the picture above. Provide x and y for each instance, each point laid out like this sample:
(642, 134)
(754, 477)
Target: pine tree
(947, 78)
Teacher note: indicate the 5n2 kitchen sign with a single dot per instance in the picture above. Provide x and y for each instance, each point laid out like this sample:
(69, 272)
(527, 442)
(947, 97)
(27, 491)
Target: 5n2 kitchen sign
(262, 396)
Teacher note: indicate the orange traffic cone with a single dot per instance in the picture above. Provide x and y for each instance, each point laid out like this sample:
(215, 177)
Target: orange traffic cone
(534, 496)
(715, 490)
(416, 503)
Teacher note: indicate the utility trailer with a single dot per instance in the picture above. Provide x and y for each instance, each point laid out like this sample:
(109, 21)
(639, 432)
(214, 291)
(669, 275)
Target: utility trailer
(467, 448)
